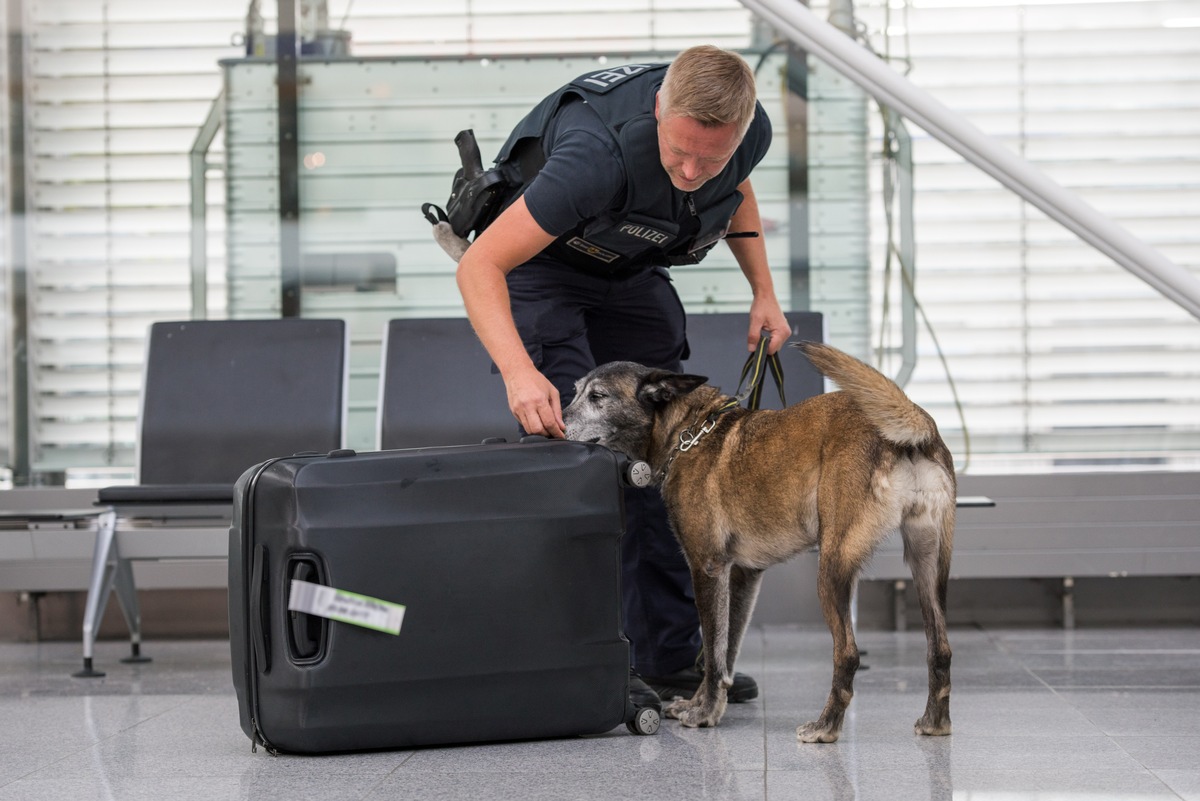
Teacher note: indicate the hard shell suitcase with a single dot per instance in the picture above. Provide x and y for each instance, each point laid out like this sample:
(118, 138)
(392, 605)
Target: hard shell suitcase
(506, 560)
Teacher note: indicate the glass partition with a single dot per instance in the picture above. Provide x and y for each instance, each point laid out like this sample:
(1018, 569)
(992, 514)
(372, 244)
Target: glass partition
(376, 141)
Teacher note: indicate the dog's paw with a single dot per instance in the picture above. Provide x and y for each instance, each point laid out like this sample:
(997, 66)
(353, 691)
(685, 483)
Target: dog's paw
(693, 716)
(694, 713)
(677, 707)
(932, 728)
(816, 732)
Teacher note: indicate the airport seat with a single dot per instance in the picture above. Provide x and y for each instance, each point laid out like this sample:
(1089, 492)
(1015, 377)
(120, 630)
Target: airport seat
(218, 397)
(438, 387)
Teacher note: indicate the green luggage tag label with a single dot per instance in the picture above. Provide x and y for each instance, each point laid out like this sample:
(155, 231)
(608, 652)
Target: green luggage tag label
(345, 607)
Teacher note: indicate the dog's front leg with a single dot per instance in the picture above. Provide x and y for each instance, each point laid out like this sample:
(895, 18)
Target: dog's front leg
(744, 583)
(711, 584)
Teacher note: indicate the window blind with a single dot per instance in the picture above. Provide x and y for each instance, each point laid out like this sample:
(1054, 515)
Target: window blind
(116, 92)
(1061, 359)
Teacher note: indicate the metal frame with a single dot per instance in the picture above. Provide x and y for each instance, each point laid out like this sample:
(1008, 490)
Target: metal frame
(198, 157)
(20, 457)
(287, 50)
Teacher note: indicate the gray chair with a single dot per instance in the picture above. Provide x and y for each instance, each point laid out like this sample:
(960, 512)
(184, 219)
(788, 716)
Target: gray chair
(438, 387)
(218, 396)
(718, 350)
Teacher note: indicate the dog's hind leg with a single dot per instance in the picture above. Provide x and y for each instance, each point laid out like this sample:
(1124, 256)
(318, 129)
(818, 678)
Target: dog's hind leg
(835, 581)
(927, 546)
(706, 707)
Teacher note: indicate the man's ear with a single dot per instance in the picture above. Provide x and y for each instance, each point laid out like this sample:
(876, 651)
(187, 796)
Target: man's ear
(661, 386)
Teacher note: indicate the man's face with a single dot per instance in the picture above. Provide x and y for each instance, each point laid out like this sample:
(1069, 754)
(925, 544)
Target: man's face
(692, 153)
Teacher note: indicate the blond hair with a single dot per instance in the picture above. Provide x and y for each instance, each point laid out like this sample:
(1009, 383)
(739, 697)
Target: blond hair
(711, 86)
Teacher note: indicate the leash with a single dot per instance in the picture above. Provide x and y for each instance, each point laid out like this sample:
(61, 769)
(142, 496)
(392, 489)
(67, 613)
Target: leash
(754, 368)
(751, 396)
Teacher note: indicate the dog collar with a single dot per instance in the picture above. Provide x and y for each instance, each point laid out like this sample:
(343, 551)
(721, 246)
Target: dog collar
(754, 370)
(688, 440)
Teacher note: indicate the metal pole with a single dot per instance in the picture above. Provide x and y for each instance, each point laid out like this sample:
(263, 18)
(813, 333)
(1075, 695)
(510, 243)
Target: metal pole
(892, 89)
(199, 202)
(287, 49)
(19, 455)
(799, 235)
(908, 248)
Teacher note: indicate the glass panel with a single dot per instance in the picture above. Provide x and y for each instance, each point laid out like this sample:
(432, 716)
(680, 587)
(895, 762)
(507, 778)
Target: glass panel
(376, 136)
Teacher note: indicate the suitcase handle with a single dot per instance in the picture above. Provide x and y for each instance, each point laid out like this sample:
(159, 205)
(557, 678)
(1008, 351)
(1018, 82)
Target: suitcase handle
(260, 608)
(306, 632)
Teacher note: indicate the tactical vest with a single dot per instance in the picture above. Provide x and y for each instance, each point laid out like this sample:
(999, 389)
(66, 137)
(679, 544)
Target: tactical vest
(648, 230)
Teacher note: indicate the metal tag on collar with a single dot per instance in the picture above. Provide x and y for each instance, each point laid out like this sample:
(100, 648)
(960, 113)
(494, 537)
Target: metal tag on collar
(687, 439)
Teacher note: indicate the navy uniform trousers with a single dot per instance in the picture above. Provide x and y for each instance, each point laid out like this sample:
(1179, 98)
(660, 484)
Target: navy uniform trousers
(570, 322)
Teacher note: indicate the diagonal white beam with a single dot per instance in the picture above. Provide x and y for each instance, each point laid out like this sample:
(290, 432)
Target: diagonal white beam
(807, 31)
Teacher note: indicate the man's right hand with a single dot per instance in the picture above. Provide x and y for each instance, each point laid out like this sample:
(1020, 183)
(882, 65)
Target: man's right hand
(511, 240)
(535, 402)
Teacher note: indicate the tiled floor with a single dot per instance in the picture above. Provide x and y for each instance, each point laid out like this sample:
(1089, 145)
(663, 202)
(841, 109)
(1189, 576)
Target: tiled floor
(1038, 714)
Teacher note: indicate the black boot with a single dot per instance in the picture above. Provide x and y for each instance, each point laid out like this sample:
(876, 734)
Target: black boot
(684, 683)
(642, 696)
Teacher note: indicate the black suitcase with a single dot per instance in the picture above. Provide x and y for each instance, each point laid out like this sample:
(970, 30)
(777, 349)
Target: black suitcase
(506, 559)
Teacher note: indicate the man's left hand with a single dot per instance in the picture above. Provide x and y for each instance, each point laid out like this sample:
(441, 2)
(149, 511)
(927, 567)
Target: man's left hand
(767, 316)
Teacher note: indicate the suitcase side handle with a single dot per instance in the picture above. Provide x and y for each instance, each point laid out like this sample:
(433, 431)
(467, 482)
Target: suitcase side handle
(306, 633)
(260, 609)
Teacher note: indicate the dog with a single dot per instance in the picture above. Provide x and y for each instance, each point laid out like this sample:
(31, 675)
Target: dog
(746, 490)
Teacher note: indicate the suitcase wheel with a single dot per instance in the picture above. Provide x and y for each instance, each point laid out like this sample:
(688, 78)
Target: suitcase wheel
(645, 722)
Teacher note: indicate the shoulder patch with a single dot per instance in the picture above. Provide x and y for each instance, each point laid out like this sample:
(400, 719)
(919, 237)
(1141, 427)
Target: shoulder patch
(604, 80)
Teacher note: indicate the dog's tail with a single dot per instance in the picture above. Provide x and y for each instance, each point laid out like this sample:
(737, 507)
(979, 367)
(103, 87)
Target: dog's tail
(885, 404)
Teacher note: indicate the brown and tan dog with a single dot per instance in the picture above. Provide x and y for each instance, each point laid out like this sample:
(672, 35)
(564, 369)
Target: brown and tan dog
(746, 490)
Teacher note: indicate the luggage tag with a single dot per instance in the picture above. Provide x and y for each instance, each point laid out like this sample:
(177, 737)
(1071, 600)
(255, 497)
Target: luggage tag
(345, 607)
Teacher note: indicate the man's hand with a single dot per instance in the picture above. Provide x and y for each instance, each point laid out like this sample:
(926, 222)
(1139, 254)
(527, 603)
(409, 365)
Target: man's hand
(535, 403)
(766, 315)
(511, 240)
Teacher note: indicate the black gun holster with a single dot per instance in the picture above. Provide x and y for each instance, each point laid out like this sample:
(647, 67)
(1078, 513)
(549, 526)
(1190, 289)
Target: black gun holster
(477, 196)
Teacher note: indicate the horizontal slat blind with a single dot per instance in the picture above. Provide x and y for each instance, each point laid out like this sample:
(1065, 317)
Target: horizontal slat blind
(1060, 357)
(498, 27)
(116, 92)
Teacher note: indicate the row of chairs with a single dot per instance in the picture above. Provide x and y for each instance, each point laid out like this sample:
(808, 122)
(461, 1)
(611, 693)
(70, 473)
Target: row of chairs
(221, 396)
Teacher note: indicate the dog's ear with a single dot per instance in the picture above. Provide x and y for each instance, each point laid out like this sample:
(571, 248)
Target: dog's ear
(661, 386)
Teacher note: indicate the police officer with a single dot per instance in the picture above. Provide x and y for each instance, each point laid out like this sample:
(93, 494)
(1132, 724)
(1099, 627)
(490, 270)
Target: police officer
(625, 172)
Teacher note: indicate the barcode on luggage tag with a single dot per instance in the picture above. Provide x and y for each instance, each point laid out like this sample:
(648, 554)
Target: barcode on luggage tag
(345, 607)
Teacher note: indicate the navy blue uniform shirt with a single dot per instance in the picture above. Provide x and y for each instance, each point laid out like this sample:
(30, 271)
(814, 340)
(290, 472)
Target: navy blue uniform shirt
(584, 175)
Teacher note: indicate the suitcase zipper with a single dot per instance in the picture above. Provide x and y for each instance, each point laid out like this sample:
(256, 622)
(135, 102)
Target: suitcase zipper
(258, 738)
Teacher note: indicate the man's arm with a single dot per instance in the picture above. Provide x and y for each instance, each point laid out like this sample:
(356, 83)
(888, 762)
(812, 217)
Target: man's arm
(751, 255)
(511, 240)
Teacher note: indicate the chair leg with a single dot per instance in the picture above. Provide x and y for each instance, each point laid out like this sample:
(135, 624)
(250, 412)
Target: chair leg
(127, 597)
(104, 569)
